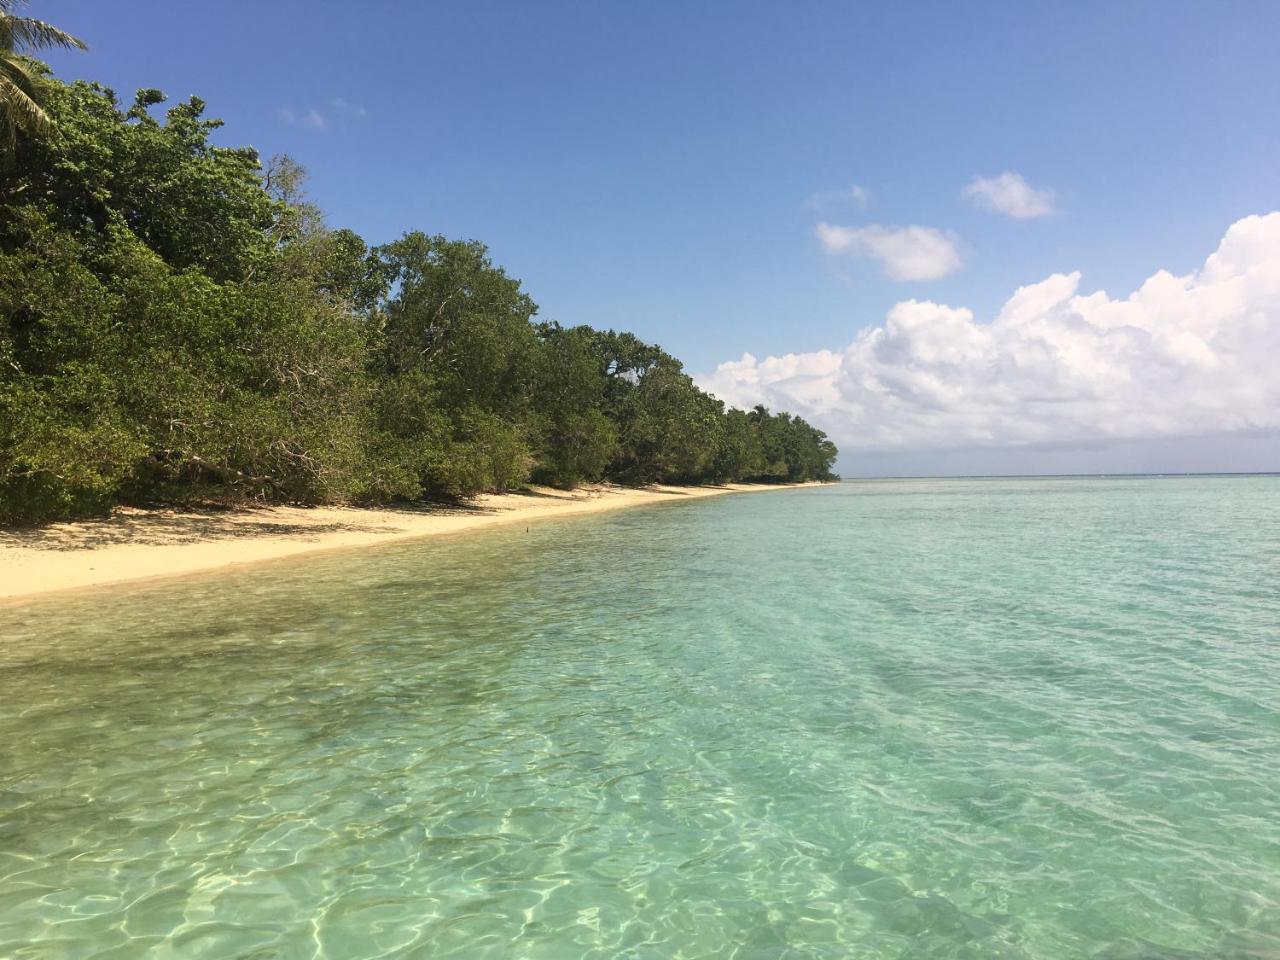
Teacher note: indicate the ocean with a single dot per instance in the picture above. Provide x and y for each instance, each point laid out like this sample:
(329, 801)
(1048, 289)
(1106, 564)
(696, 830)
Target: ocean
(975, 718)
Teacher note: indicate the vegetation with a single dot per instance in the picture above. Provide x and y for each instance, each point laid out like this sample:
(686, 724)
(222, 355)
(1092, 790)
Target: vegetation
(20, 107)
(178, 322)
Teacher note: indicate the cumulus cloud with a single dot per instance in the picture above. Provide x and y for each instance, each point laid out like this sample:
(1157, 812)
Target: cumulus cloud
(1181, 356)
(1010, 194)
(904, 253)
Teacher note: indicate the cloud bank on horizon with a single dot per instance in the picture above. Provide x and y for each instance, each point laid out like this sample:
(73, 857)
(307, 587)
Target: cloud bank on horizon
(1191, 355)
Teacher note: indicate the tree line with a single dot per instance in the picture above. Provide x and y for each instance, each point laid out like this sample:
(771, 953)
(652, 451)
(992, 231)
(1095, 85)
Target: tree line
(179, 322)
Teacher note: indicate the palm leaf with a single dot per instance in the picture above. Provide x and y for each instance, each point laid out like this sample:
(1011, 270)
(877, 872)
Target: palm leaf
(24, 33)
(19, 100)
(18, 106)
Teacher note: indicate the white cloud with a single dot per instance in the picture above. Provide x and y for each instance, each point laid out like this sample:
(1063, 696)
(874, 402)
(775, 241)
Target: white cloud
(905, 253)
(346, 108)
(338, 114)
(855, 193)
(1010, 194)
(1181, 356)
(311, 117)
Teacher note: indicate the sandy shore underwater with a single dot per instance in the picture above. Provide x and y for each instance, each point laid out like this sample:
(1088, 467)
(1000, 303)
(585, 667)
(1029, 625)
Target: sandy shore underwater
(134, 544)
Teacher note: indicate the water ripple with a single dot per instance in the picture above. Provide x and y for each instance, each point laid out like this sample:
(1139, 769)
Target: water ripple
(961, 719)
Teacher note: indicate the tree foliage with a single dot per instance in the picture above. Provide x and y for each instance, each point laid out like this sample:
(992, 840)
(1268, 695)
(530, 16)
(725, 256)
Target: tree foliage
(178, 322)
(20, 78)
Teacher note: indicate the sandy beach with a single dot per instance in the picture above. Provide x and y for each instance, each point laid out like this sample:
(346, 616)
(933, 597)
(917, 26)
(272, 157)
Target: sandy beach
(134, 544)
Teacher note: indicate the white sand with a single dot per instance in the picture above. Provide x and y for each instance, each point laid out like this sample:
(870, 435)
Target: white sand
(134, 544)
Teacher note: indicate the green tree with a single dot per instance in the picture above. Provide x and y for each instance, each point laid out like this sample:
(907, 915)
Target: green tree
(575, 439)
(740, 455)
(141, 362)
(192, 203)
(668, 428)
(177, 322)
(455, 364)
(67, 441)
(20, 107)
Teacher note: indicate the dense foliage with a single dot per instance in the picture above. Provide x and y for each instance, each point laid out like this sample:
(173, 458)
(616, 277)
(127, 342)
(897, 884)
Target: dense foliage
(178, 322)
(20, 107)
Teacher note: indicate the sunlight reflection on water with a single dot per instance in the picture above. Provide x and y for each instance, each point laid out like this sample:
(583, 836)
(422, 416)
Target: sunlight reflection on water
(1023, 719)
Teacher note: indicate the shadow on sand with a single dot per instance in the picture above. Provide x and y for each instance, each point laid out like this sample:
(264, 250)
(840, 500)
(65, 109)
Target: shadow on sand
(161, 526)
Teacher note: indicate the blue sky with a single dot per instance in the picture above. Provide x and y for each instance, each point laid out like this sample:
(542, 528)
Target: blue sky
(664, 167)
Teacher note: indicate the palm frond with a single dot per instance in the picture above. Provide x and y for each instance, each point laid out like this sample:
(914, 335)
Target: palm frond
(15, 70)
(25, 33)
(18, 106)
(19, 95)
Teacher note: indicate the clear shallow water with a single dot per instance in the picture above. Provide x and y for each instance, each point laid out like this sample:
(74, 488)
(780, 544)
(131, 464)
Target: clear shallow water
(979, 719)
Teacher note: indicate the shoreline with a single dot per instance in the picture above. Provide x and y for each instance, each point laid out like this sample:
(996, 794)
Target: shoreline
(135, 544)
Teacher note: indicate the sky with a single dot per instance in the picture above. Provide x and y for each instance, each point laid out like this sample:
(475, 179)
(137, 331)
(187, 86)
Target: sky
(960, 237)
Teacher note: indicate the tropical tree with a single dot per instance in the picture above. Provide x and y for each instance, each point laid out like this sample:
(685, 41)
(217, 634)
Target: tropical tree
(178, 323)
(20, 107)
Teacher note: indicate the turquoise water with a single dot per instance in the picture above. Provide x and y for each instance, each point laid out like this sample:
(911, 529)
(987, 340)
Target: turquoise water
(978, 719)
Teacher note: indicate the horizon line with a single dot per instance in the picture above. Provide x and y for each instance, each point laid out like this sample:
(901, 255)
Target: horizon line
(1166, 474)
